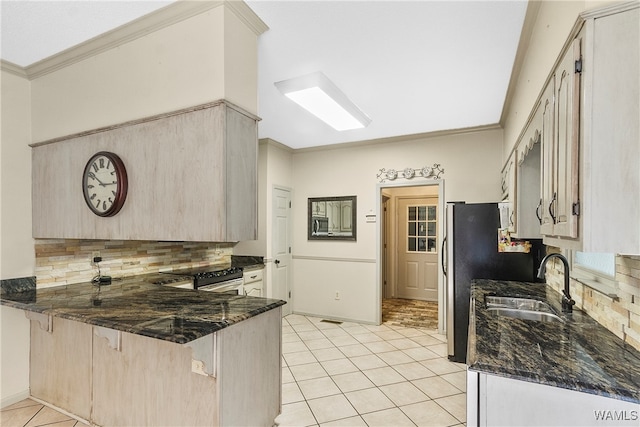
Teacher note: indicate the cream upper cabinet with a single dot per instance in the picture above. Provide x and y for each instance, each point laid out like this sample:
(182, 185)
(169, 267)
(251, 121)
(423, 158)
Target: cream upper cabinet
(560, 133)
(528, 210)
(509, 193)
(587, 119)
(192, 175)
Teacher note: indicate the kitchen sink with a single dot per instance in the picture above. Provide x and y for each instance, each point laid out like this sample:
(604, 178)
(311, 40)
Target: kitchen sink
(514, 303)
(518, 313)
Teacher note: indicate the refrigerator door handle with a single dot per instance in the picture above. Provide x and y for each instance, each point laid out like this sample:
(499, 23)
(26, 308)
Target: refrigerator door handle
(442, 256)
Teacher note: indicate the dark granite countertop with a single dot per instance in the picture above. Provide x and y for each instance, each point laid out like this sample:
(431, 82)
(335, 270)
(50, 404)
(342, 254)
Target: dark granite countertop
(577, 354)
(137, 306)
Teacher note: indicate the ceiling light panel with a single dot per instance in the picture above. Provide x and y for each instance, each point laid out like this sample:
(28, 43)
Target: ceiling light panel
(322, 98)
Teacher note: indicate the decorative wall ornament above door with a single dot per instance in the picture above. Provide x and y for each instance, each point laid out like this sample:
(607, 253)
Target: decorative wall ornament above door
(433, 172)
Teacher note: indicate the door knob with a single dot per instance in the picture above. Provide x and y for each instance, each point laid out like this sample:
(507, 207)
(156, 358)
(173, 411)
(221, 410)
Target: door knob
(277, 261)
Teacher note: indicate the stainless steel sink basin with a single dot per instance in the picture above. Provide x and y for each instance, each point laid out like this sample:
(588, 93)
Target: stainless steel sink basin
(517, 313)
(517, 304)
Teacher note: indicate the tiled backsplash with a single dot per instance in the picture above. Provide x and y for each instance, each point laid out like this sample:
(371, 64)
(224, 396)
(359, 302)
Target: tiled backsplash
(622, 315)
(60, 262)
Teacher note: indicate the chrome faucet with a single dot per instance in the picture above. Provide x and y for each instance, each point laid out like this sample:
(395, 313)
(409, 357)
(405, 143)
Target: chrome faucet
(567, 301)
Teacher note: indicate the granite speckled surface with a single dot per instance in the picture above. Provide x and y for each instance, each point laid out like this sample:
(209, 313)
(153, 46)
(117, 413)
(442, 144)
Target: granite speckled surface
(577, 353)
(19, 284)
(137, 306)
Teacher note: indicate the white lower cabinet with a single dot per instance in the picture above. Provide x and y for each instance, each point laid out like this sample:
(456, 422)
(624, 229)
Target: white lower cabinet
(253, 286)
(498, 401)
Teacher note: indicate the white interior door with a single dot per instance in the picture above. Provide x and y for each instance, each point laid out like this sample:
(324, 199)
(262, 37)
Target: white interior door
(281, 247)
(417, 248)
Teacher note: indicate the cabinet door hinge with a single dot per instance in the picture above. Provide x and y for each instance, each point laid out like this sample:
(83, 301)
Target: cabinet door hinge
(289, 249)
(289, 204)
(289, 294)
(576, 208)
(578, 66)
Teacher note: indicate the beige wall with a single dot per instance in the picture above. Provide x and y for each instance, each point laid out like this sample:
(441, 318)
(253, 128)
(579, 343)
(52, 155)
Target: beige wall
(17, 256)
(472, 173)
(552, 26)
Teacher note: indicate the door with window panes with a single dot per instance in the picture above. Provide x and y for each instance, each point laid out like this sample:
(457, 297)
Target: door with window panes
(417, 249)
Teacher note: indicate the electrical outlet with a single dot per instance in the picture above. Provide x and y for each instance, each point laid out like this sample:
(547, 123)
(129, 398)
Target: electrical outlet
(337, 295)
(94, 254)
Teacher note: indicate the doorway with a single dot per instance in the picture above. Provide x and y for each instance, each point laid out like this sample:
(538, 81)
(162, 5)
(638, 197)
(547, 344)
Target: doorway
(411, 230)
(281, 247)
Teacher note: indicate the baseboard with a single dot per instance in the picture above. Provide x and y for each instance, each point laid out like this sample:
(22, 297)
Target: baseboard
(14, 398)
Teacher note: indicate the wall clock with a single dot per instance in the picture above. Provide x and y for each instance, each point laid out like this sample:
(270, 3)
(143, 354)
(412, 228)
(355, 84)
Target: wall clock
(104, 183)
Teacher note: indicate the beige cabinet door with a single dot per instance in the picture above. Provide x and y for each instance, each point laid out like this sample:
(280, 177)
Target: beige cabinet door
(547, 173)
(567, 143)
(417, 248)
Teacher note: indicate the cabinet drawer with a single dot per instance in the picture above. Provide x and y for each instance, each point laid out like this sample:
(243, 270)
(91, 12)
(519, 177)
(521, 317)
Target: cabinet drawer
(251, 276)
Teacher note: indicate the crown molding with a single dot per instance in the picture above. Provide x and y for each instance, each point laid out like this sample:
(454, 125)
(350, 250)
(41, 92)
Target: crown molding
(401, 138)
(161, 18)
(12, 68)
(247, 16)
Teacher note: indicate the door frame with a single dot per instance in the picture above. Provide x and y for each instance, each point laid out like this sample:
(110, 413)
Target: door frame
(379, 247)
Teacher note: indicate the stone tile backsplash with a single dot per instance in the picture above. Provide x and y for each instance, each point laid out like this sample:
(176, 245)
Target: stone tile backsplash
(620, 315)
(64, 261)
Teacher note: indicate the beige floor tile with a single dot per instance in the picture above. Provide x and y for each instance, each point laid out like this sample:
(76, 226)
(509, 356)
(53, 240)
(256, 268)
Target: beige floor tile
(290, 337)
(296, 414)
(287, 376)
(299, 358)
(421, 353)
(343, 340)
(22, 404)
(356, 329)
(293, 347)
(354, 350)
(287, 329)
(428, 414)
(368, 337)
(352, 381)
(19, 416)
(383, 376)
(311, 335)
(319, 344)
(436, 387)
(411, 333)
(67, 423)
(318, 387)
(387, 418)
(339, 366)
(456, 405)
(378, 328)
(369, 400)
(404, 393)
(426, 340)
(413, 371)
(440, 349)
(331, 408)
(48, 416)
(325, 354)
(441, 366)
(395, 357)
(308, 371)
(333, 333)
(379, 347)
(304, 327)
(389, 335)
(370, 361)
(458, 379)
(356, 421)
(291, 393)
(404, 343)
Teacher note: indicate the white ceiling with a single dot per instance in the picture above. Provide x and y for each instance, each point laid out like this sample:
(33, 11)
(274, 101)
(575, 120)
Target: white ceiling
(411, 66)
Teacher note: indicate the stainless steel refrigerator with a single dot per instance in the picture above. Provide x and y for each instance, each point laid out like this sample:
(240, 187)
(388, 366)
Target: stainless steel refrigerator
(471, 244)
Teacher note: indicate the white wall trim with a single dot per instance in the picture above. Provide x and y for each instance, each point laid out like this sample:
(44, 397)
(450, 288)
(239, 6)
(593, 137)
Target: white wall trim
(14, 398)
(322, 258)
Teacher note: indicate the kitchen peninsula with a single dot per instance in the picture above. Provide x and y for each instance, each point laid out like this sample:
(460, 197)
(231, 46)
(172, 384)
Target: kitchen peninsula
(135, 353)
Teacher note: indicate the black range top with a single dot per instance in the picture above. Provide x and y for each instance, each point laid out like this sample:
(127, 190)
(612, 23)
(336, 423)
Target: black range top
(203, 276)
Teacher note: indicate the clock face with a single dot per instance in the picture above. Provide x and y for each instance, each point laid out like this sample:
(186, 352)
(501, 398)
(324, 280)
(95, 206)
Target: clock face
(104, 184)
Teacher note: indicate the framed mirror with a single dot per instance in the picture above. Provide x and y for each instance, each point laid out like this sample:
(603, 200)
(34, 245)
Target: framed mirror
(332, 218)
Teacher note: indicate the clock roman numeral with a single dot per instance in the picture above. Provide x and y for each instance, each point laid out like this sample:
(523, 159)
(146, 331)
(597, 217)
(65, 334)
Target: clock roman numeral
(113, 192)
(101, 162)
(95, 167)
